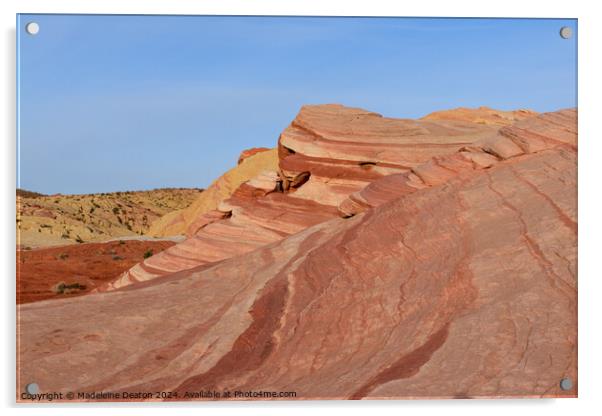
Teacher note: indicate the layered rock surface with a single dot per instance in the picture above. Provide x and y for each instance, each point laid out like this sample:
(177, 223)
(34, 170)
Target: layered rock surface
(326, 154)
(524, 137)
(250, 163)
(462, 288)
(250, 152)
(481, 115)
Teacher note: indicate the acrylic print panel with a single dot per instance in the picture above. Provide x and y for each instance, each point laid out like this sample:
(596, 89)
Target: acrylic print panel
(292, 208)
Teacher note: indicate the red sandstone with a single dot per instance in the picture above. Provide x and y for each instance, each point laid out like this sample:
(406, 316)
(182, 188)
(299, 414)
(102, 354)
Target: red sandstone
(250, 152)
(445, 267)
(327, 153)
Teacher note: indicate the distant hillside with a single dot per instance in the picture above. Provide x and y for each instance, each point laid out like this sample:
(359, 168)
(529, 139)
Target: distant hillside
(46, 220)
(28, 194)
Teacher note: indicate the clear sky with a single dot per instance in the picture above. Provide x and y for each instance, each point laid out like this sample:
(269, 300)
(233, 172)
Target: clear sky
(113, 103)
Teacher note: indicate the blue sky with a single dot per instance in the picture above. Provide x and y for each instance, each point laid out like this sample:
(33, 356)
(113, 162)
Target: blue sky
(110, 103)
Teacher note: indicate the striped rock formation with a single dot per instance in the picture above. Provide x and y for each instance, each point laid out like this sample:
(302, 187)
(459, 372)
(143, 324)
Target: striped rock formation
(482, 115)
(250, 164)
(524, 137)
(327, 153)
(465, 287)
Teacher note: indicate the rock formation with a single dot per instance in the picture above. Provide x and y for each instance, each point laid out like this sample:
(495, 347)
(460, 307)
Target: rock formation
(250, 165)
(327, 153)
(524, 137)
(250, 152)
(446, 270)
(482, 115)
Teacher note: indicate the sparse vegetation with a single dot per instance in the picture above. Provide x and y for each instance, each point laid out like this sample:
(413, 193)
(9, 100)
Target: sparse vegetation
(63, 288)
(148, 253)
(23, 193)
(59, 219)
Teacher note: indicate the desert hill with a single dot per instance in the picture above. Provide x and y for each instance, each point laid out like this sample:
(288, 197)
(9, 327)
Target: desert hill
(383, 258)
(47, 220)
(24, 193)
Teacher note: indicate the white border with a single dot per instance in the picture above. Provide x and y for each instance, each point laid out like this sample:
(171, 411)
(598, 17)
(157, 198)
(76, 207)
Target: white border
(590, 209)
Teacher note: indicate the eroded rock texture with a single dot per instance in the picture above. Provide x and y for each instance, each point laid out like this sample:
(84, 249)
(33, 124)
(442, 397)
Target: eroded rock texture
(327, 153)
(524, 137)
(464, 286)
(482, 115)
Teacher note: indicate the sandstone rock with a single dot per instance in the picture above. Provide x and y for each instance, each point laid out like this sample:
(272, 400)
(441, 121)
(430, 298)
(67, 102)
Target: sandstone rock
(327, 153)
(250, 152)
(481, 115)
(177, 222)
(346, 148)
(463, 288)
(532, 135)
(251, 218)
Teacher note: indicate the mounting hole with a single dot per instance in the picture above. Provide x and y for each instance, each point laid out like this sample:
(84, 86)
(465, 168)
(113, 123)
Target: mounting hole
(32, 388)
(32, 28)
(566, 384)
(566, 32)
